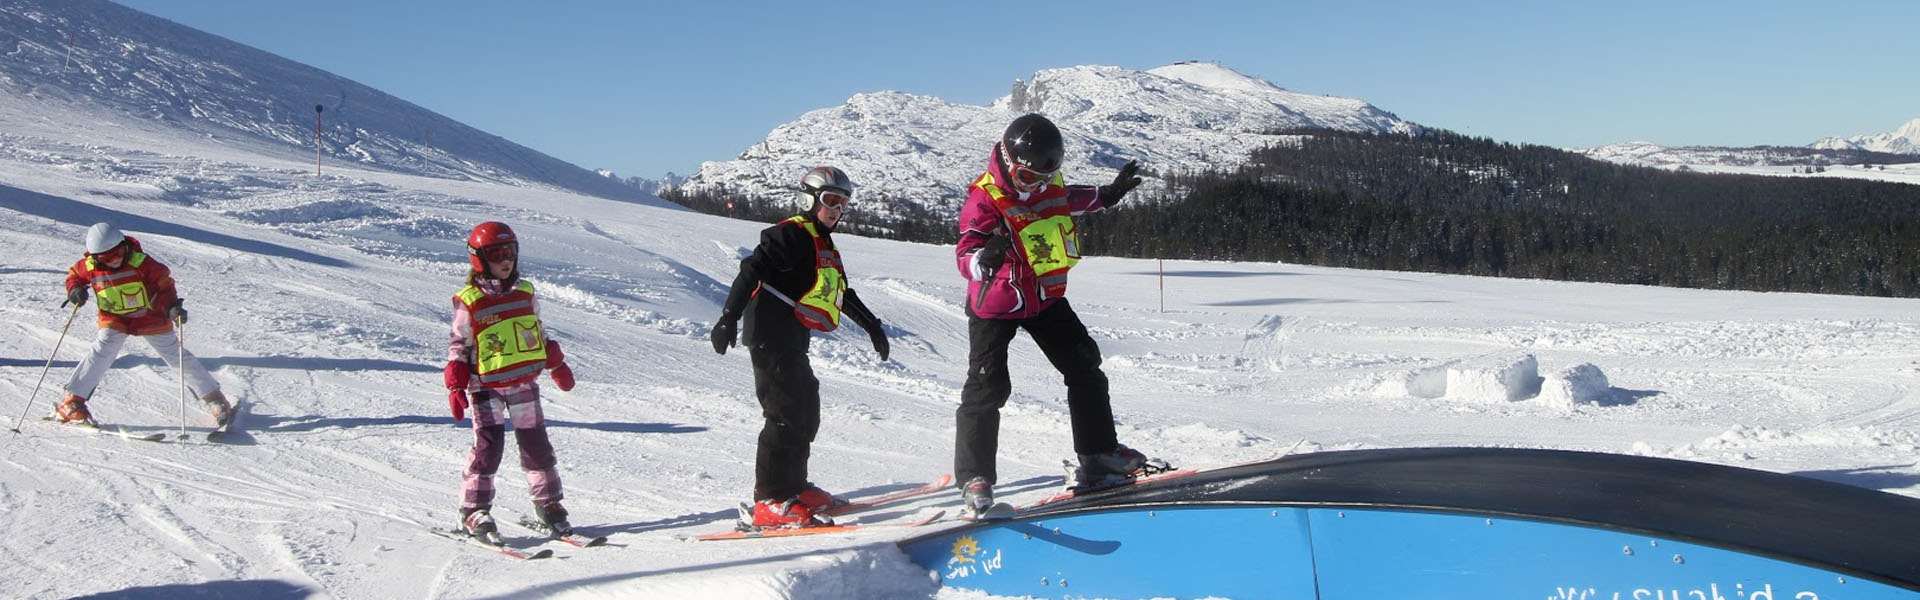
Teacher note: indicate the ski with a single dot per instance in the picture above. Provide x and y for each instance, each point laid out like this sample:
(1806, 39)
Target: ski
(936, 485)
(98, 429)
(1000, 511)
(508, 551)
(1070, 493)
(576, 539)
(770, 532)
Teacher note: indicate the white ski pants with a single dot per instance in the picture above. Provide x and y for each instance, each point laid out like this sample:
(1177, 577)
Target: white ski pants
(106, 348)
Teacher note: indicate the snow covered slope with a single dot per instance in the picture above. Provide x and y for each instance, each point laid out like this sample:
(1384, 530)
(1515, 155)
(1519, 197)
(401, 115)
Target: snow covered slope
(923, 151)
(321, 302)
(130, 70)
(323, 305)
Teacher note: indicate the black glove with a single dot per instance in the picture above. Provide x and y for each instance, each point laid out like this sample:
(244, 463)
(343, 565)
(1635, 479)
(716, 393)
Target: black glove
(178, 314)
(994, 253)
(725, 333)
(76, 296)
(879, 335)
(1125, 181)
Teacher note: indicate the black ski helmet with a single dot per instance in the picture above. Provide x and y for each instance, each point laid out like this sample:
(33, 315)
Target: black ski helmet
(1034, 142)
(824, 178)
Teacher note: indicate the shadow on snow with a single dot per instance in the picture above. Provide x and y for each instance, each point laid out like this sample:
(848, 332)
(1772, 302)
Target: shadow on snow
(258, 589)
(55, 208)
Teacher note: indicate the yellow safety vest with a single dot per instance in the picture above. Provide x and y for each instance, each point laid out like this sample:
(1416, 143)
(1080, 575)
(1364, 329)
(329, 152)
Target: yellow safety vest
(509, 346)
(1044, 227)
(819, 308)
(121, 292)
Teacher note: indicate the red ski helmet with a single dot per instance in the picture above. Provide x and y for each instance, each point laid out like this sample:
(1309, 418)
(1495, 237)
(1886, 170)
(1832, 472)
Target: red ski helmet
(488, 235)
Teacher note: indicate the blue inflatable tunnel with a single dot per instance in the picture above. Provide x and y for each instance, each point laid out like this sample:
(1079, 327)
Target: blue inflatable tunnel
(1442, 523)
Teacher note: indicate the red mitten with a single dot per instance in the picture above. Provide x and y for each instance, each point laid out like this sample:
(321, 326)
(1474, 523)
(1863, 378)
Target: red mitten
(457, 375)
(563, 377)
(555, 359)
(457, 401)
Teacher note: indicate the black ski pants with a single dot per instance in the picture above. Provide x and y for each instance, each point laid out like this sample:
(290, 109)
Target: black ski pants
(790, 400)
(1064, 340)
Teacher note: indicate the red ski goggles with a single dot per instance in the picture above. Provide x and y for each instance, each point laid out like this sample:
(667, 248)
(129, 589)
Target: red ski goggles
(1028, 178)
(500, 253)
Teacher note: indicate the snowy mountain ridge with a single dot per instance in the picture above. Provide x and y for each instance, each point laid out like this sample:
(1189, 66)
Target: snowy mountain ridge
(1903, 140)
(124, 68)
(922, 151)
(1829, 151)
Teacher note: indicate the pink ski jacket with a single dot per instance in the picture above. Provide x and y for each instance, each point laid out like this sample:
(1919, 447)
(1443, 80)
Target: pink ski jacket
(1014, 291)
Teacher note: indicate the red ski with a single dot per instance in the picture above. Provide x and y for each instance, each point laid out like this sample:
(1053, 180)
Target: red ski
(503, 550)
(817, 529)
(891, 497)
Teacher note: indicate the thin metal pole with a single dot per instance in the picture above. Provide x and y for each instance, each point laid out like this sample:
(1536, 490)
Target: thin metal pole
(180, 364)
(43, 372)
(316, 138)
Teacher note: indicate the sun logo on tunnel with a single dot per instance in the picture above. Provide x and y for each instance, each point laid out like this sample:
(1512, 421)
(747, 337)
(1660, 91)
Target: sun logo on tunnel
(964, 549)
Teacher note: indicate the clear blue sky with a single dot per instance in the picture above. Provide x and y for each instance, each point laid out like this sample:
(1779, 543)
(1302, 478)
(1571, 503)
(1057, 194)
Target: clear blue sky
(649, 87)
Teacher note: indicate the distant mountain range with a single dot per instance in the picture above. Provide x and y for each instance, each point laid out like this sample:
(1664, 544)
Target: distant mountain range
(921, 150)
(106, 63)
(1905, 140)
(1900, 146)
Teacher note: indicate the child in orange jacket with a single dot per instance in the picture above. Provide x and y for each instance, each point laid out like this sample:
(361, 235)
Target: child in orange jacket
(136, 297)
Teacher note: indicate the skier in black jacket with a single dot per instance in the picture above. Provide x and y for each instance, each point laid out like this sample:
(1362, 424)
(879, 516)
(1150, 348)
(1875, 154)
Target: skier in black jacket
(793, 283)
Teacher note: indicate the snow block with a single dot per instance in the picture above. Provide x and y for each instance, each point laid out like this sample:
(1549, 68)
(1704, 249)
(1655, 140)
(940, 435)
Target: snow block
(1486, 379)
(1495, 378)
(1583, 383)
(1448, 523)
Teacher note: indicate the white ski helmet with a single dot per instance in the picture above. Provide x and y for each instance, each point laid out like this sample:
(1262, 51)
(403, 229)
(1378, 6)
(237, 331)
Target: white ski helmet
(103, 237)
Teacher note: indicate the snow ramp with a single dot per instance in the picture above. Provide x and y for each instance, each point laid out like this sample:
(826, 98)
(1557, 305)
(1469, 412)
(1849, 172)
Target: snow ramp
(1440, 523)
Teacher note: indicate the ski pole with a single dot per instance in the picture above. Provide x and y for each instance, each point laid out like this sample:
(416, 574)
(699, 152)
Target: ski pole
(49, 367)
(986, 282)
(180, 364)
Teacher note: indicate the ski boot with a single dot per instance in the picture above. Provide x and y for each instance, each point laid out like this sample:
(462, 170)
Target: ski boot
(818, 499)
(554, 517)
(221, 409)
(478, 524)
(977, 502)
(74, 411)
(1109, 469)
(785, 514)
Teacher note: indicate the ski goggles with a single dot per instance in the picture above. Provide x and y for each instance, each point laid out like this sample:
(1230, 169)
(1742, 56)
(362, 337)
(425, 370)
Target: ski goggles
(1027, 177)
(112, 254)
(835, 199)
(500, 253)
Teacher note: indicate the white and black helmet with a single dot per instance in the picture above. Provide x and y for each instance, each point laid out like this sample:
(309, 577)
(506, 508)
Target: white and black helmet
(103, 237)
(824, 178)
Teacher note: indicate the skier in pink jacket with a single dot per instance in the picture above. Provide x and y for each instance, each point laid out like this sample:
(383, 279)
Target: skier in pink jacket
(1017, 244)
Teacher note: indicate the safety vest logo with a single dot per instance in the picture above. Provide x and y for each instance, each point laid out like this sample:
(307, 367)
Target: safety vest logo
(493, 346)
(1042, 251)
